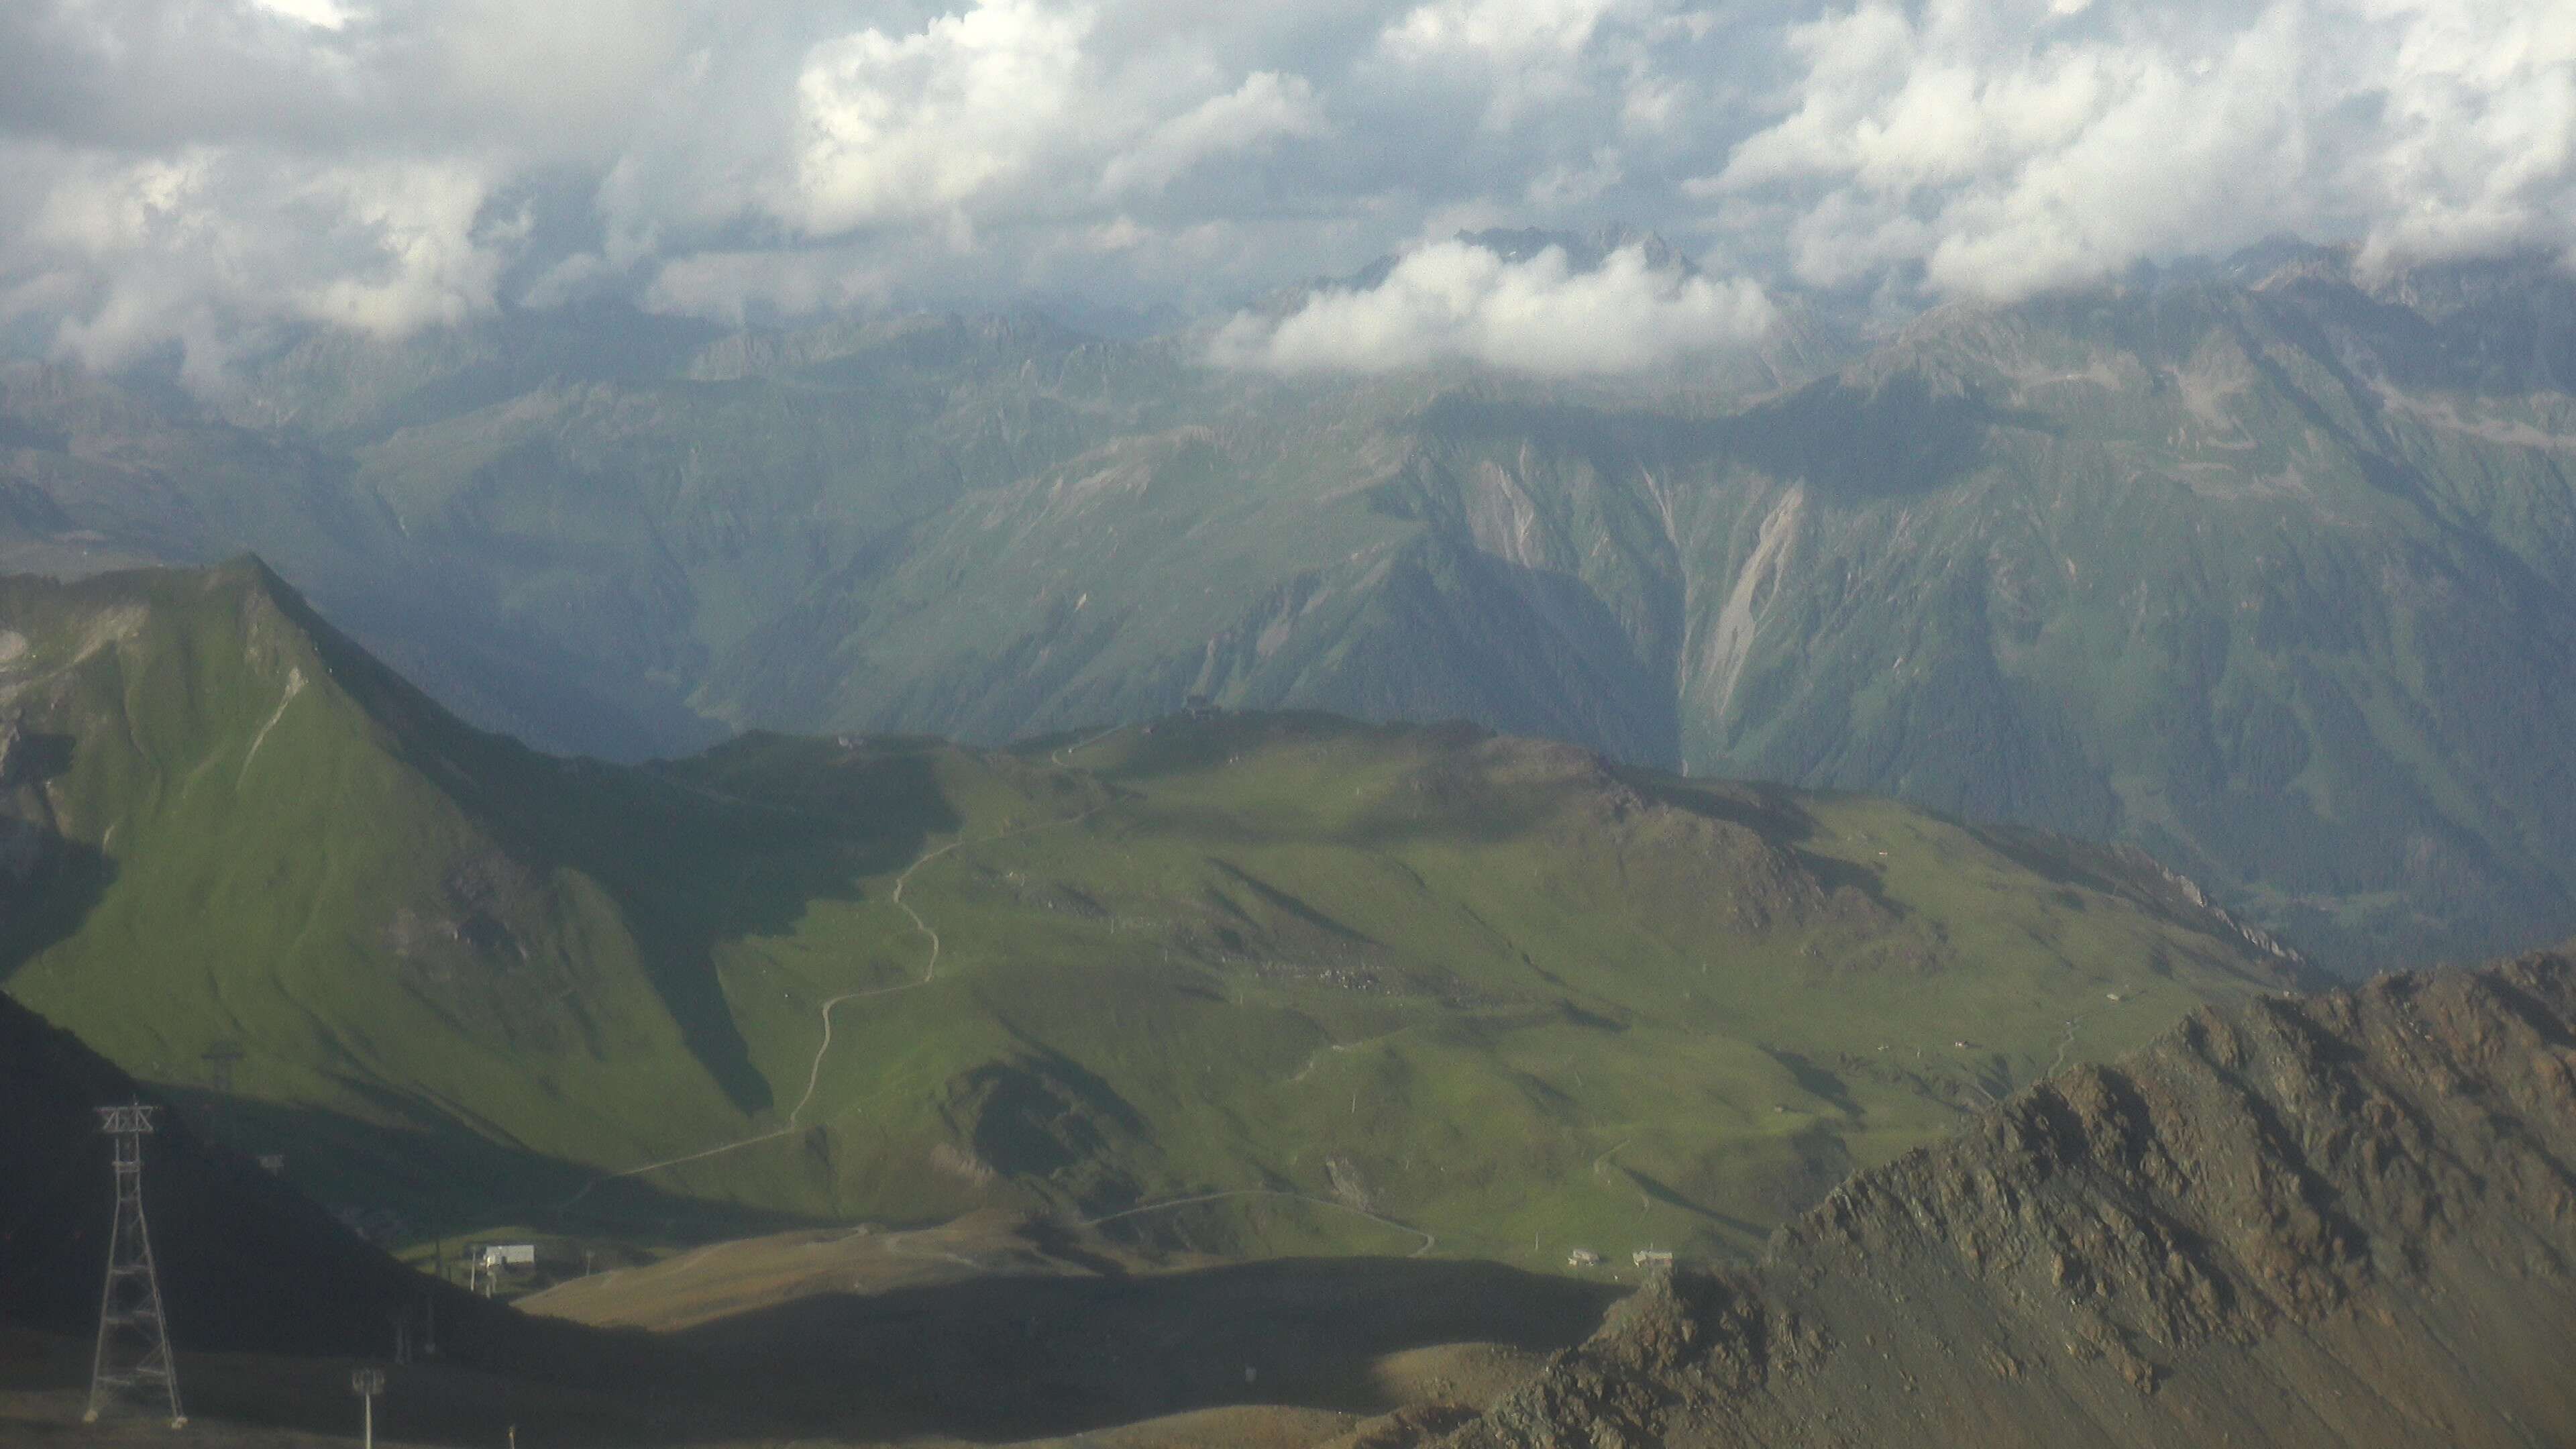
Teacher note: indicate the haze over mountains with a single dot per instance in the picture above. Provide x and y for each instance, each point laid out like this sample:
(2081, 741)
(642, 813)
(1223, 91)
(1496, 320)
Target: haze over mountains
(1248, 984)
(2261, 565)
(1182, 725)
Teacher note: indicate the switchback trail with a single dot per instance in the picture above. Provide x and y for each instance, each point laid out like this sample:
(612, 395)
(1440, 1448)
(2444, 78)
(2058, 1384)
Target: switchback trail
(814, 1071)
(1058, 758)
(2074, 1024)
(922, 927)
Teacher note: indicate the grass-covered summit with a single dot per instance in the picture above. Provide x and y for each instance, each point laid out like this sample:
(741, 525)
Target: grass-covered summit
(1344, 987)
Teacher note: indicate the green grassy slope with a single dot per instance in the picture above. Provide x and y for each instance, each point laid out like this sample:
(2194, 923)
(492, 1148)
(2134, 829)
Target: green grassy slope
(267, 839)
(1357, 987)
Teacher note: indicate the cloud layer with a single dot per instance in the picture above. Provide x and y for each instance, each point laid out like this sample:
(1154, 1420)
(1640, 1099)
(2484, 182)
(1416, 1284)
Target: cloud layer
(1453, 301)
(2013, 146)
(205, 173)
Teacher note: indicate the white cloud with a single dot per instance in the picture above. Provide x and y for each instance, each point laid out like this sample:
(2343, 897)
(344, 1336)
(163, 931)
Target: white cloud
(1561, 187)
(1529, 57)
(2007, 148)
(1452, 301)
(733, 286)
(200, 170)
(322, 14)
(1268, 107)
(1019, 112)
(1513, 28)
(209, 246)
(922, 125)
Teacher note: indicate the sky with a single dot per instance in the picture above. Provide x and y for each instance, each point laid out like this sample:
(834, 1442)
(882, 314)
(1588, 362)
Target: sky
(204, 176)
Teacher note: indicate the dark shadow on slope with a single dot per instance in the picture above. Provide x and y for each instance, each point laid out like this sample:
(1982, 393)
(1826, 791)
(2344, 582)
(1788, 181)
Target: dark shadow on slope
(1529, 651)
(693, 866)
(1292, 905)
(1767, 810)
(1834, 874)
(1574, 1015)
(1042, 1115)
(441, 1180)
(1001, 1359)
(1665, 1193)
(250, 1265)
(1815, 1081)
(32, 759)
(245, 1260)
(691, 860)
(2062, 860)
(1851, 444)
(990, 1360)
(2497, 327)
(48, 882)
(1448, 796)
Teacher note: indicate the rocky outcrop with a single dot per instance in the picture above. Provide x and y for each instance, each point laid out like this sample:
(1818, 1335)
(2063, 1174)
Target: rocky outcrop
(2345, 1219)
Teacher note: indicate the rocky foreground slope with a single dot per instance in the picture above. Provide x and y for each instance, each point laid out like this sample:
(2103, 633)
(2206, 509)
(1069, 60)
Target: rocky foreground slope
(2344, 1220)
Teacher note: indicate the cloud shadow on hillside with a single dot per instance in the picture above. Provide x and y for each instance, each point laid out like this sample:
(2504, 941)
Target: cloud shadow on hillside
(999, 1359)
(1900, 438)
(49, 882)
(693, 867)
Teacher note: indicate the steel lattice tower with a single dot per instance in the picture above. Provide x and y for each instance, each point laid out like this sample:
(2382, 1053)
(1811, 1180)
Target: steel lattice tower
(133, 1337)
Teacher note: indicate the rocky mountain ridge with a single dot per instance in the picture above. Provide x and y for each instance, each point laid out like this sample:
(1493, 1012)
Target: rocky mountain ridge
(2347, 1218)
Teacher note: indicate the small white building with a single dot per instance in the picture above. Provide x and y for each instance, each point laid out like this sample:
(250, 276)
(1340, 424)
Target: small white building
(485, 1262)
(1653, 1258)
(1583, 1258)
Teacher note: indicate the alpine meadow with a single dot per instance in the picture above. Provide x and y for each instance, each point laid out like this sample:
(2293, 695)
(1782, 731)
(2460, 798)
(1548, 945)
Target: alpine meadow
(1425, 724)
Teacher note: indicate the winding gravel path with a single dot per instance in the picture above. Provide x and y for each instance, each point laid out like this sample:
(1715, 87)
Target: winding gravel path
(814, 1071)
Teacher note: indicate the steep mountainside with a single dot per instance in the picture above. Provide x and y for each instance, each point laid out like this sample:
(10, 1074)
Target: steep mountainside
(2349, 1219)
(2264, 567)
(2276, 583)
(1252, 983)
(2273, 581)
(246, 1263)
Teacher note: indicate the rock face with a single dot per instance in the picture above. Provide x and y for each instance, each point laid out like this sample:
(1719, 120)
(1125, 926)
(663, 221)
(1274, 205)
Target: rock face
(2347, 1219)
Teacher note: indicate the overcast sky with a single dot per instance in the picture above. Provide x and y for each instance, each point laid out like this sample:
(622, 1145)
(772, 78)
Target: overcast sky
(203, 171)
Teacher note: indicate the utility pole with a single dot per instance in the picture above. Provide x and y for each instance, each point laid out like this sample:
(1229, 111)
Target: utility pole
(220, 1059)
(366, 1384)
(133, 1334)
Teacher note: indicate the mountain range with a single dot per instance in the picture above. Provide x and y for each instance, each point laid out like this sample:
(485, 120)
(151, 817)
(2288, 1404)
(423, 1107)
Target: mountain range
(2263, 565)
